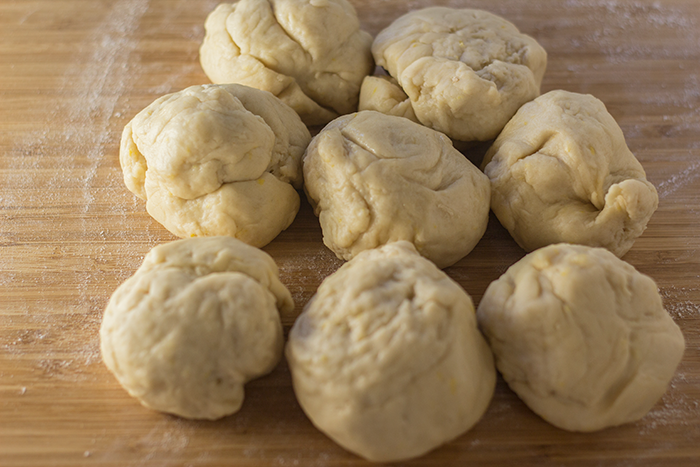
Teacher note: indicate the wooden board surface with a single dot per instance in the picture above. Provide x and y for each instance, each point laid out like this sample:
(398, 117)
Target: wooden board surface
(73, 72)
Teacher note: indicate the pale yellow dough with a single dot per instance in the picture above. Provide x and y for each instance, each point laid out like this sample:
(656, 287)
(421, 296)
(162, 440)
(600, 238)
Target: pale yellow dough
(374, 178)
(383, 94)
(463, 72)
(196, 321)
(386, 358)
(217, 160)
(561, 172)
(581, 336)
(311, 54)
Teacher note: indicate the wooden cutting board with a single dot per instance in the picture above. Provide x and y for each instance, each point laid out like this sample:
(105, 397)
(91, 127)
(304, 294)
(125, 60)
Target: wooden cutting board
(74, 72)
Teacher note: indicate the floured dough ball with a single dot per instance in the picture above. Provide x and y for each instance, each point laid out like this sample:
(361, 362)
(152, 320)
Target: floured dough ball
(309, 53)
(375, 178)
(464, 72)
(581, 336)
(386, 358)
(561, 172)
(217, 160)
(196, 321)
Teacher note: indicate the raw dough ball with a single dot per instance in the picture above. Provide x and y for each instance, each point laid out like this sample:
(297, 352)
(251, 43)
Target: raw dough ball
(374, 178)
(386, 358)
(196, 321)
(561, 172)
(465, 72)
(581, 336)
(311, 54)
(383, 94)
(217, 160)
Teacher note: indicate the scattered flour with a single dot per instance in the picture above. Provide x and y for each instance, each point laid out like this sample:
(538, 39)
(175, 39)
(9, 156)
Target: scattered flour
(680, 180)
(301, 270)
(91, 241)
(679, 304)
(675, 408)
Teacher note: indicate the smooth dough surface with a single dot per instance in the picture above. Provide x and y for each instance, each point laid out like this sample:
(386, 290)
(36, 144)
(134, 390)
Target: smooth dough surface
(581, 336)
(374, 178)
(465, 72)
(217, 160)
(561, 171)
(386, 358)
(311, 54)
(197, 320)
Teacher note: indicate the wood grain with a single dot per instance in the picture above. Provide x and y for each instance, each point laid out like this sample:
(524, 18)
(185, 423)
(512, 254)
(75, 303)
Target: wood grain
(73, 72)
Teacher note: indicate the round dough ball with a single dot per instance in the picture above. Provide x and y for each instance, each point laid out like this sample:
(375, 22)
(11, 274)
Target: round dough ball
(311, 54)
(581, 336)
(465, 72)
(386, 358)
(375, 178)
(217, 160)
(561, 172)
(196, 321)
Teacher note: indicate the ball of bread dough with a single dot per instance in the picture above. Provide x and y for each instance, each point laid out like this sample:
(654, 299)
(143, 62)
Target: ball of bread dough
(311, 54)
(561, 172)
(375, 178)
(217, 160)
(465, 72)
(383, 94)
(386, 358)
(581, 336)
(196, 321)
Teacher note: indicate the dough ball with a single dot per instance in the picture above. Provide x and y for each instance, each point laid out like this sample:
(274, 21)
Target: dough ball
(383, 94)
(217, 160)
(196, 321)
(465, 72)
(386, 358)
(561, 172)
(311, 54)
(581, 336)
(374, 178)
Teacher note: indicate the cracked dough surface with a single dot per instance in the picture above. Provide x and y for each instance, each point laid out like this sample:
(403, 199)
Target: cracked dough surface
(310, 54)
(386, 358)
(561, 171)
(465, 72)
(196, 321)
(374, 178)
(581, 336)
(217, 160)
